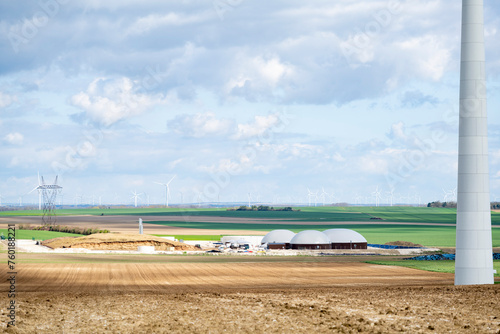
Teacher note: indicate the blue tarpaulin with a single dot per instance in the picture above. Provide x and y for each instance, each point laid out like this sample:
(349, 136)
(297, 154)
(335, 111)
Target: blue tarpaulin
(437, 257)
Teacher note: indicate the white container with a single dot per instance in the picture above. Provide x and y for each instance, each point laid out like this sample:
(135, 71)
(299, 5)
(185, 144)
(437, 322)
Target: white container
(146, 249)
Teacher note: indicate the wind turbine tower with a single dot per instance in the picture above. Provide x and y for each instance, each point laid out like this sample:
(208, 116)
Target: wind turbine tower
(167, 189)
(323, 195)
(376, 193)
(474, 260)
(135, 196)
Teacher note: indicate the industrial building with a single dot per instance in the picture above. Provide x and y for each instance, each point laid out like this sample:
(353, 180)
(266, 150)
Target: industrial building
(337, 238)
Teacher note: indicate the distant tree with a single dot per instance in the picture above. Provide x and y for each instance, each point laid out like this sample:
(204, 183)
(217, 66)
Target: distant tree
(439, 204)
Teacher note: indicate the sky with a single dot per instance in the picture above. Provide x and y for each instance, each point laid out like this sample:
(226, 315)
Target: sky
(282, 101)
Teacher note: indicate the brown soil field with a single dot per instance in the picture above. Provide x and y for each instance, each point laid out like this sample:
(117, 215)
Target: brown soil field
(157, 294)
(117, 241)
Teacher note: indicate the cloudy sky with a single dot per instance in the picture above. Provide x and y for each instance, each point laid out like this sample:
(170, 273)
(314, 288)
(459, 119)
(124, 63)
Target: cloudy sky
(235, 97)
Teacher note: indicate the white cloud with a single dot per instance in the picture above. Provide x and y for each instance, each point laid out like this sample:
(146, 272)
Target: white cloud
(108, 101)
(347, 130)
(257, 77)
(429, 53)
(14, 138)
(6, 100)
(398, 131)
(259, 126)
(373, 165)
(200, 125)
(154, 21)
(338, 157)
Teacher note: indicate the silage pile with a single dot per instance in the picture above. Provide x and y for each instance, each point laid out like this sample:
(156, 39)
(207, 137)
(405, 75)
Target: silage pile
(404, 244)
(117, 241)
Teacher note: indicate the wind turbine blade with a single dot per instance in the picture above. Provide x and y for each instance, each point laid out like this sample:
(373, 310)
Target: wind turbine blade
(172, 179)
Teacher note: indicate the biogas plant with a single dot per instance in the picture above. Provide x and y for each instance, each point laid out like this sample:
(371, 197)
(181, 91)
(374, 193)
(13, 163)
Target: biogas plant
(338, 238)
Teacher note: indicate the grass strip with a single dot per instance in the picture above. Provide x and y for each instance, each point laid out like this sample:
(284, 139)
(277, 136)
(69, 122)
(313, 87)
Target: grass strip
(443, 266)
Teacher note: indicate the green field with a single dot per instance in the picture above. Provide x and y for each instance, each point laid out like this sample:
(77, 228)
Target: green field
(430, 236)
(334, 214)
(444, 266)
(375, 231)
(39, 235)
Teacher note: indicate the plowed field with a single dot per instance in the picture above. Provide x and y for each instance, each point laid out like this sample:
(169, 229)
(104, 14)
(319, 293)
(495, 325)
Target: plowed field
(89, 277)
(124, 295)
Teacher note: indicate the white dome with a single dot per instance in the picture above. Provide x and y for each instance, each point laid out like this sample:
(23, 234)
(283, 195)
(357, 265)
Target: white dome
(310, 237)
(343, 235)
(278, 237)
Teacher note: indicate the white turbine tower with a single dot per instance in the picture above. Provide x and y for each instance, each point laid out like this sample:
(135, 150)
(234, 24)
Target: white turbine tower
(446, 195)
(357, 197)
(391, 196)
(135, 197)
(39, 188)
(417, 198)
(323, 195)
(167, 189)
(376, 193)
(309, 195)
(333, 198)
(474, 260)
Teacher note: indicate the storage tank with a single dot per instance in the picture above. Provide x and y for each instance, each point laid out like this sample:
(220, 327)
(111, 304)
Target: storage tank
(310, 239)
(342, 238)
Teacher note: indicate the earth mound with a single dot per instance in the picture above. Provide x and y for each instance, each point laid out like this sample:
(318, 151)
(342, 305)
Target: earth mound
(117, 241)
(403, 243)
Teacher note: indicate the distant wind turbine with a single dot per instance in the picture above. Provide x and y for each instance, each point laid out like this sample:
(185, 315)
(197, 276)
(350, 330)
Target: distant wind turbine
(135, 197)
(40, 183)
(391, 195)
(376, 193)
(310, 194)
(167, 189)
(323, 194)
